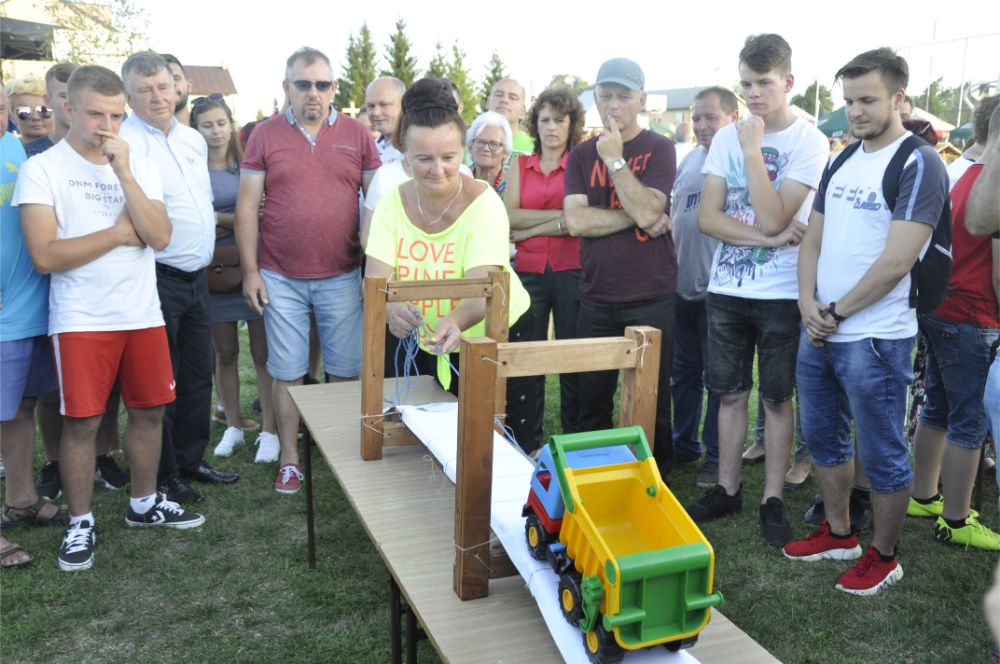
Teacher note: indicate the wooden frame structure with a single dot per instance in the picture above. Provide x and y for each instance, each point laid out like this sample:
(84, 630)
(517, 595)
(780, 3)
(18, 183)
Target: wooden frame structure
(486, 365)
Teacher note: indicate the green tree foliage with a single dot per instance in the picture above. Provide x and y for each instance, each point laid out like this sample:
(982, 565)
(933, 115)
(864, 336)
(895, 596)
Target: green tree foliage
(574, 83)
(99, 33)
(439, 64)
(459, 75)
(494, 72)
(943, 101)
(402, 65)
(807, 100)
(358, 71)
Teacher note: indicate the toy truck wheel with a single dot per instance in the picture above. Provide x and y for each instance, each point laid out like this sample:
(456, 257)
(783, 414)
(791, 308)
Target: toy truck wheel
(538, 539)
(674, 646)
(570, 598)
(601, 646)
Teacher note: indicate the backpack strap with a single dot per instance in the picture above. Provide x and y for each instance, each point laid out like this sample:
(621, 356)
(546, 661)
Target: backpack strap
(838, 161)
(890, 179)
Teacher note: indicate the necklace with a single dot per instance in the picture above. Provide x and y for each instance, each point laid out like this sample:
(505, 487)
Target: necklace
(447, 207)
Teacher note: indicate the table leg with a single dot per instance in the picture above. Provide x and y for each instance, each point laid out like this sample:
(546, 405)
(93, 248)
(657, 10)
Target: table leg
(310, 517)
(411, 636)
(395, 616)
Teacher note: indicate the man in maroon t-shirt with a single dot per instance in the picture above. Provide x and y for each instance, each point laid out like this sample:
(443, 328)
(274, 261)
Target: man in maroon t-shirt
(617, 191)
(312, 161)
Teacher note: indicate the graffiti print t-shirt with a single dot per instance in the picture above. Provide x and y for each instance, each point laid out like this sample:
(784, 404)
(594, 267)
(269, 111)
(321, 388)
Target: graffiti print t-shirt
(797, 153)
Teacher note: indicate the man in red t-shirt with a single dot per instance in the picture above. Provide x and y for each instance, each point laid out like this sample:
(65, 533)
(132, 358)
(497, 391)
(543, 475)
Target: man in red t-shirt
(312, 161)
(617, 192)
(953, 424)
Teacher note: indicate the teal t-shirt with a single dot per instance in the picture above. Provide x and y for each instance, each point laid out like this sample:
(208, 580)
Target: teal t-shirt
(24, 292)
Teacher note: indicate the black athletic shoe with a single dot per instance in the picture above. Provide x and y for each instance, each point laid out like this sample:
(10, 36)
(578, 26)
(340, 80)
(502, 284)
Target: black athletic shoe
(110, 473)
(164, 513)
(774, 522)
(49, 485)
(714, 504)
(816, 514)
(77, 550)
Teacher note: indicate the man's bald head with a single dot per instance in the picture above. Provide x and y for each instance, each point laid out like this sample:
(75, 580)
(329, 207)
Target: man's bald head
(507, 99)
(383, 101)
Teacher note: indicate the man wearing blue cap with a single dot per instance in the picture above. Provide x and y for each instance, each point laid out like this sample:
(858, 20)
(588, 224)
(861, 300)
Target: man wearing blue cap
(617, 193)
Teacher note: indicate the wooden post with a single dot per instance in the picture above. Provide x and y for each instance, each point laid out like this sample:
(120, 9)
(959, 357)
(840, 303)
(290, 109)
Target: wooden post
(640, 385)
(373, 368)
(498, 329)
(474, 467)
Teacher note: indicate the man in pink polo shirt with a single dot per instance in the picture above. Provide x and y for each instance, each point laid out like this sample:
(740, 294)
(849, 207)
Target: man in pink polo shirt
(311, 160)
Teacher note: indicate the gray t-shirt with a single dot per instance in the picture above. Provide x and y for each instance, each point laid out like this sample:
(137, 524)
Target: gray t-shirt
(694, 248)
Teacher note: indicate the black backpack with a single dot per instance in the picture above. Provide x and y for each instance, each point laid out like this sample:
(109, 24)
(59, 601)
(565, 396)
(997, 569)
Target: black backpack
(930, 274)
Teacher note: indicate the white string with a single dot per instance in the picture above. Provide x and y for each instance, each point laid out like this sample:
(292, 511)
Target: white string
(503, 293)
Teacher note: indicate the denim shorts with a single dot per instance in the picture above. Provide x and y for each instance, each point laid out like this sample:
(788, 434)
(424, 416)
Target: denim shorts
(336, 304)
(28, 371)
(866, 378)
(991, 400)
(737, 327)
(958, 357)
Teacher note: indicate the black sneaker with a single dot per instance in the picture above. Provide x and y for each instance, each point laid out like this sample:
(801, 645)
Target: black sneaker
(164, 513)
(49, 485)
(108, 471)
(774, 522)
(714, 504)
(77, 550)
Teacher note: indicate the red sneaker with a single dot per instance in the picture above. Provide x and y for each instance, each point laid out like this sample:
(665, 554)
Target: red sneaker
(289, 479)
(870, 574)
(821, 545)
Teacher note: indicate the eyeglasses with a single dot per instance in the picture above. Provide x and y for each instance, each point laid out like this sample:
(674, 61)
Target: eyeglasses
(24, 112)
(493, 146)
(306, 86)
(213, 98)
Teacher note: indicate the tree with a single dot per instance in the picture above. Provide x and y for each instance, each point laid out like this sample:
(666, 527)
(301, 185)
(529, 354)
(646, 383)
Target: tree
(402, 65)
(105, 33)
(807, 100)
(574, 83)
(459, 75)
(439, 66)
(941, 101)
(494, 72)
(359, 70)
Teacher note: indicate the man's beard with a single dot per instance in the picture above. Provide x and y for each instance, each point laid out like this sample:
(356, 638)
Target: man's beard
(181, 104)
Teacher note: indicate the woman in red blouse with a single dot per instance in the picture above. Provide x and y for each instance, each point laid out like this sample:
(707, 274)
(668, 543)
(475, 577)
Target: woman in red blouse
(547, 259)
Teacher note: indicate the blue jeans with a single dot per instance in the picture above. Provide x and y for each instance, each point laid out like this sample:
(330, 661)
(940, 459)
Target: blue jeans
(687, 386)
(597, 388)
(991, 401)
(866, 378)
(958, 358)
(336, 304)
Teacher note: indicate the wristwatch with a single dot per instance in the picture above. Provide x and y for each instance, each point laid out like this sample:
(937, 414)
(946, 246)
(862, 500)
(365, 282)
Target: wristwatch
(615, 166)
(833, 313)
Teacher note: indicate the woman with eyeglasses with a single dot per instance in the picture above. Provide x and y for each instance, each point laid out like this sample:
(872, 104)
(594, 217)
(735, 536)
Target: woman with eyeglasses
(212, 118)
(547, 260)
(441, 224)
(26, 97)
(490, 143)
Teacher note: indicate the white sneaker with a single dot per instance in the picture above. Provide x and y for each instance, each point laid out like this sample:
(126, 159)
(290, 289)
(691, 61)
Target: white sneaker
(268, 448)
(230, 439)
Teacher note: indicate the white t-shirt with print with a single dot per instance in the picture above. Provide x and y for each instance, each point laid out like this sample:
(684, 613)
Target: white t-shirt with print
(856, 224)
(799, 153)
(116, 291)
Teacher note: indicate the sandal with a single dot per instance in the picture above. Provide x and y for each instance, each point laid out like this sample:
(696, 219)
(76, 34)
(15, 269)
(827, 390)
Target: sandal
(32, 515)
(11, 550)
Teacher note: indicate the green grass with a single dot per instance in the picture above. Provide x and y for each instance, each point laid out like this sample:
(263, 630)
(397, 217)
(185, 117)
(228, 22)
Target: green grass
(238, 589)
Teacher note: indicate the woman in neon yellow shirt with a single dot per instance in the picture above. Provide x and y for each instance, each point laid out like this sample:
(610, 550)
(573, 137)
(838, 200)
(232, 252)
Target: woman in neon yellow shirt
(439, 225)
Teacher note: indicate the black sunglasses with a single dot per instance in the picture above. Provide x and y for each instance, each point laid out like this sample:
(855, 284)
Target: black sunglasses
(306, 86)
(213, 98)
(24, 112)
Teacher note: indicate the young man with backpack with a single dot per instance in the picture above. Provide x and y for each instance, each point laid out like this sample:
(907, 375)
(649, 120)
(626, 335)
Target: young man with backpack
(859, 315)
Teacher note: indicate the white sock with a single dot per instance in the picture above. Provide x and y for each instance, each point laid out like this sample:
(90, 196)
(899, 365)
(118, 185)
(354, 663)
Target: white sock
(75, 520)
(142, 505)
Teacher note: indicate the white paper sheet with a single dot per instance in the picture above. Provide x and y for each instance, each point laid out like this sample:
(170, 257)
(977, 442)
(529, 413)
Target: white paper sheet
(436, 424)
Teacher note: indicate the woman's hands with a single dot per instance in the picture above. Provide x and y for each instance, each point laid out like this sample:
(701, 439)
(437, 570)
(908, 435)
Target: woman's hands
(402, 319)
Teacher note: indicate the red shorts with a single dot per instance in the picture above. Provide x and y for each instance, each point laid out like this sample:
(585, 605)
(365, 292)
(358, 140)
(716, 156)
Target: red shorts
(88, 364)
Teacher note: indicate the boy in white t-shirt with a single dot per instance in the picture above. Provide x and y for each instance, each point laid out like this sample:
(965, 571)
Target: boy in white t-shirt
(92, 216)
(760, 176)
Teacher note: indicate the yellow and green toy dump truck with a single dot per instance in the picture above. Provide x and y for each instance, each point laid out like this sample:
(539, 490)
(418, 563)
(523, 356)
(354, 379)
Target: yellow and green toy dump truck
(634, 570)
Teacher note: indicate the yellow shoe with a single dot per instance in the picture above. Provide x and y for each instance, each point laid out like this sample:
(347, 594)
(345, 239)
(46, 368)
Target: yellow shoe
(925, 510)
(972, 534)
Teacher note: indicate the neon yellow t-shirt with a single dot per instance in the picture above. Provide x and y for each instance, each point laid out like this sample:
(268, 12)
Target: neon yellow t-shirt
(480, 236)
